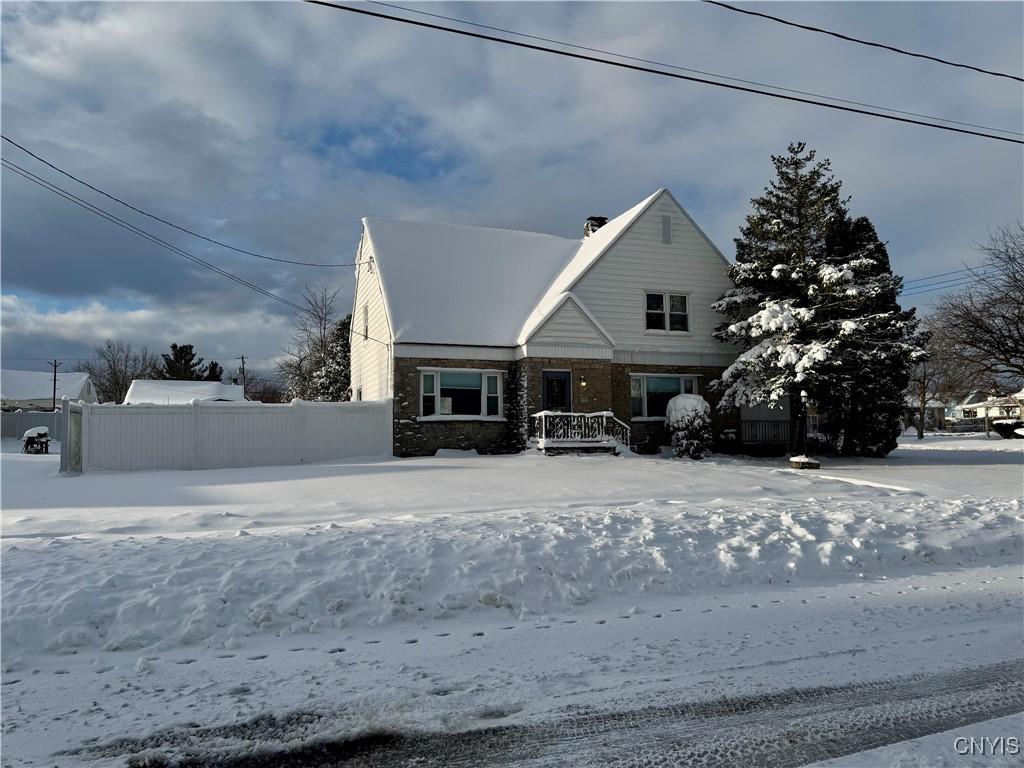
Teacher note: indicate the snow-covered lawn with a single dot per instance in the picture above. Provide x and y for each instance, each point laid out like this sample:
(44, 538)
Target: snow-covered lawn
(121, 587)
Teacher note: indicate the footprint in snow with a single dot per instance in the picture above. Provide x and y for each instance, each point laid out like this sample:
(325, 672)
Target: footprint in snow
(676, 610)
(543, 626)
(185, 661)
(61, 672)
(372, 642)
(222, 656)
(410, 641)
(105, 668)
(508, 627)
(442, 634)
(569, 621)
(258, 657)
(336, 650)
(601, 621)
(657, 615)
(478, 634)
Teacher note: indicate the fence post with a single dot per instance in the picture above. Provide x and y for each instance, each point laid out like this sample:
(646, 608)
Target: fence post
(196, 460)
(83, 433)
(65, 432)
(299, 432)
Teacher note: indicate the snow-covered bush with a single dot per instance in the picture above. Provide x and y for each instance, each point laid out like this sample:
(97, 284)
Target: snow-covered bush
(689, 423)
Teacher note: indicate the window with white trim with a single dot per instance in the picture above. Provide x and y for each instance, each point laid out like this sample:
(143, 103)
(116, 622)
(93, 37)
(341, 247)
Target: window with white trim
(649, 393)
(458, 392)
(667, 312)
(366, 321)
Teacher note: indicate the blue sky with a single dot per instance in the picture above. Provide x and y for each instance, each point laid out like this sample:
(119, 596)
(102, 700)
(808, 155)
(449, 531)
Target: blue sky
(277, 126)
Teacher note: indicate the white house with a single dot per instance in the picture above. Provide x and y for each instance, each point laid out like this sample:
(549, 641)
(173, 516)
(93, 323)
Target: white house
(33, 390)
(472, 329)
(170, 392)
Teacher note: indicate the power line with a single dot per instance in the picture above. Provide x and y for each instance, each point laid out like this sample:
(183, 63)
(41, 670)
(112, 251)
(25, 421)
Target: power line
(649, 70)
(70, 197)
(962, 283)
(165, 221)
(687, 69)
(862, 42)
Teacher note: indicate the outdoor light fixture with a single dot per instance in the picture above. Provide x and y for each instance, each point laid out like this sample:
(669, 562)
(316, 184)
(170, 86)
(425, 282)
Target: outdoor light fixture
(583, 381)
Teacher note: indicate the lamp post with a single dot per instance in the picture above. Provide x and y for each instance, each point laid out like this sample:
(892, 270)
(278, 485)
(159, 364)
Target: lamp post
(803, 422)
(802, 461)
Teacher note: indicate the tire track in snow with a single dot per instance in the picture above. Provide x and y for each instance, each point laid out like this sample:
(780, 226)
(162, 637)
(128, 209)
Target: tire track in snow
(786, 728)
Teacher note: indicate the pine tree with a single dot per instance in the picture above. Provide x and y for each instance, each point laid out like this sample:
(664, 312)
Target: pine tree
(329, 376)
(814, 311)
(214, 371)
(182, 364)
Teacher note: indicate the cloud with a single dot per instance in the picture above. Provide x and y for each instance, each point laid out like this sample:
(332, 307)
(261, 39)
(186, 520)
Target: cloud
(277, 126)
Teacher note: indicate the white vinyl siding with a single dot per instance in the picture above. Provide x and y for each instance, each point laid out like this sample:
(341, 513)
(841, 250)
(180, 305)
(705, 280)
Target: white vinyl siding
(613, 290)
(569, 325)
(371, 359)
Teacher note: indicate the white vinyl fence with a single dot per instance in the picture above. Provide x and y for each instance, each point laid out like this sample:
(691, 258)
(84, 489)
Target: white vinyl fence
(16, 423)
(213, 435)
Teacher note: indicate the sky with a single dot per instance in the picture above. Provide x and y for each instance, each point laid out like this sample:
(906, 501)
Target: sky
(275, 127)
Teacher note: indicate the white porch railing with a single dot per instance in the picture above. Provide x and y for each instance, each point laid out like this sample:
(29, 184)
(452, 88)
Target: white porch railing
(554, 427)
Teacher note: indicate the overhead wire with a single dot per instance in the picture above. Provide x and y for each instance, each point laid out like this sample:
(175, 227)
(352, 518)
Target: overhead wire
(686, 69)
(162, 220)
(650, 70)
(861, 41)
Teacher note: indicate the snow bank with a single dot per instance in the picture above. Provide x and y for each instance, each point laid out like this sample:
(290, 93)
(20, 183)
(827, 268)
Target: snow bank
(159, 592)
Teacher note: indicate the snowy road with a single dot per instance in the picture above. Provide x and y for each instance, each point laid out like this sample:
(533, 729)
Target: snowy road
(787, 728)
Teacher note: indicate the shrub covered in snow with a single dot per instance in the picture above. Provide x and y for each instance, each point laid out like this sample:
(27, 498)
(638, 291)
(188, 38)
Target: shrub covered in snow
(689, 423)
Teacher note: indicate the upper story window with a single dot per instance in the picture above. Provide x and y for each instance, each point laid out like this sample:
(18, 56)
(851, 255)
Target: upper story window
(466, 393)
(667, 312)
(366, 321)
(666, 230)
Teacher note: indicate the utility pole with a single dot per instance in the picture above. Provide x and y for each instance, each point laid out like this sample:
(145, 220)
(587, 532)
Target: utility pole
(55, 365)
(243, 374)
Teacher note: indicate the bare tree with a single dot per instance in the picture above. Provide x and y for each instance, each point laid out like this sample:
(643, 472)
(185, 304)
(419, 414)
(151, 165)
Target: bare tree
(310, 339)
(263, 389)
(938, 376)
(983, 324)
(114, 368)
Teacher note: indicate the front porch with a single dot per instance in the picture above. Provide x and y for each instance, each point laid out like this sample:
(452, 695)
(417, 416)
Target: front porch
(554, 432)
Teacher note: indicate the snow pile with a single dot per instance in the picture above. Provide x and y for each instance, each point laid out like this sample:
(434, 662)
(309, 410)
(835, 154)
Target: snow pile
(122, 593)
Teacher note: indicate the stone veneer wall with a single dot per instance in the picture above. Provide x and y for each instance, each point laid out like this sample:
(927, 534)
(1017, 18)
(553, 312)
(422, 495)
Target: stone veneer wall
(423, 438)
(607, 389)
(649, 436)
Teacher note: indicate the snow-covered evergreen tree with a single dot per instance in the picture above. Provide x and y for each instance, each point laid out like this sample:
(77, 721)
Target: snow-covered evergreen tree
(814, 310)
(326, 377)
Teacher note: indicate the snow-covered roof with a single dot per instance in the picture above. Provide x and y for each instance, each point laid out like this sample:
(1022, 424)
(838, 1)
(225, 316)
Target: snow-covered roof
(455, 284)
(168, 392)
(589, 251)
(915, 402)
(38, 385)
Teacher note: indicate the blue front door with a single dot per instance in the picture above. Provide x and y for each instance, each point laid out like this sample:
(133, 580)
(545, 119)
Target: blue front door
(556, 387)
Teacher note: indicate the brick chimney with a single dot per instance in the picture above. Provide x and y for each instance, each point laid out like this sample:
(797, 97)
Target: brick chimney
(593, 224)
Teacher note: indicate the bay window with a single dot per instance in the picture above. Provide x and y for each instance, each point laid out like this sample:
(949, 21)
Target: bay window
(460, 393)
(649, 393)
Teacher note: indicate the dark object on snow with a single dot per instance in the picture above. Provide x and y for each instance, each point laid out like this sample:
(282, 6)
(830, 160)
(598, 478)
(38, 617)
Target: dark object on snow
(803, 462)
(1008, 428)
(36, 440)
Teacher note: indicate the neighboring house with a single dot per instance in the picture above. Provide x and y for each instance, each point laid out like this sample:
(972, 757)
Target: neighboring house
(33, 390)
(934, 413)
(978, 405)
(471, 330)
(171, 392)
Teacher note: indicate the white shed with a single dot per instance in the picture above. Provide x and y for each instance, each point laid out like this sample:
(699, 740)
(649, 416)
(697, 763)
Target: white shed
(33, 390)
(169, 392)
